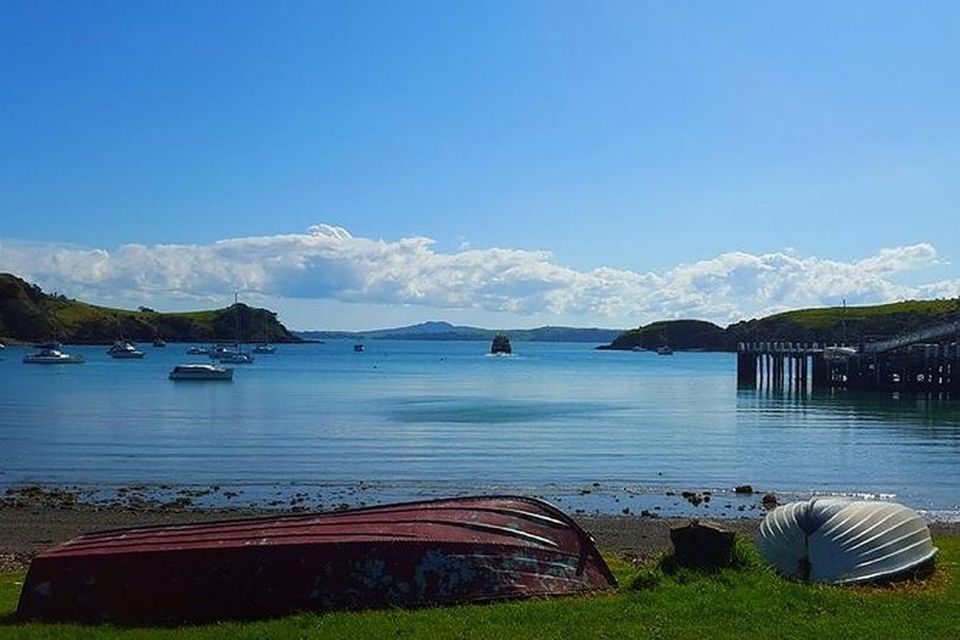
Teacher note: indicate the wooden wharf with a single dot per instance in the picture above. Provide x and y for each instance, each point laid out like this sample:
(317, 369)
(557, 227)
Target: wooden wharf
(926, 361)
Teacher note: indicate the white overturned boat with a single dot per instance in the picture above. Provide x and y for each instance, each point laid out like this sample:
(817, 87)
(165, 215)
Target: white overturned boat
(124, 351)
(52, 356)
(200, 372)
(845, 541)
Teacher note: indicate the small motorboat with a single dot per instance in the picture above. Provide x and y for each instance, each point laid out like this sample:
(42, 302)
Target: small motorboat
(52, 356)
(200, 372)
(501, 345)
(846, 541)
(231, 354)
(199, 351)
(124, 351)
(159, 342)
(436, 552)
(234, 357)
(664, 350)
(358, 347)
(838, 353)
(264, 347)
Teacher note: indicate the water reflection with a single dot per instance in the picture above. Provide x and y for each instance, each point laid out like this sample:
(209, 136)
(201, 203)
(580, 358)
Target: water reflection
(937, 414)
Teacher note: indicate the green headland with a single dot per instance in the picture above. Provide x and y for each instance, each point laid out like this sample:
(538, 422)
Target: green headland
(27, 314)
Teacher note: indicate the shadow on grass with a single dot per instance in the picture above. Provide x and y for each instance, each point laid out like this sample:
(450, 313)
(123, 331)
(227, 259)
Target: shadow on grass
(11, 620)
(743, 558)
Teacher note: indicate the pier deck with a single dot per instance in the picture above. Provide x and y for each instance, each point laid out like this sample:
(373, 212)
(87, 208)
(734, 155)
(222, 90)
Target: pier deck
(923, 362)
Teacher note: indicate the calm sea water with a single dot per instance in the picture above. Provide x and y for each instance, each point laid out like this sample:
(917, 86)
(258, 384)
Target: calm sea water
(597, 430)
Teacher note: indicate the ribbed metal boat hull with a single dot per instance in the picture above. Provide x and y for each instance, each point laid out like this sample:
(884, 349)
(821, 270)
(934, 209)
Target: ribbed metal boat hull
(408, 555)
(840, 540)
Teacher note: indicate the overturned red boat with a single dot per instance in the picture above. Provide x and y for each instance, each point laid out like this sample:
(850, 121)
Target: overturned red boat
(436, 552)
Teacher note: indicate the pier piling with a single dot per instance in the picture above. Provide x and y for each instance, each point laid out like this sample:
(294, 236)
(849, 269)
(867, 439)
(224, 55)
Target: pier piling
(895, 365)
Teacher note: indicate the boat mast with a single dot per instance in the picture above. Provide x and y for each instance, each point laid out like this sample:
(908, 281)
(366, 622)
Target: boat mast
(236, 315)
(843, 325)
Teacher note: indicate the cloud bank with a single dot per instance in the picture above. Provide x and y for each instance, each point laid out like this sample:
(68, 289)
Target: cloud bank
(328, 263)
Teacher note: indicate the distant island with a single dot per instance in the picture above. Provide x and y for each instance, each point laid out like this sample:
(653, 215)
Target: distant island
(27, 314)
(830, 325)
(446, 331)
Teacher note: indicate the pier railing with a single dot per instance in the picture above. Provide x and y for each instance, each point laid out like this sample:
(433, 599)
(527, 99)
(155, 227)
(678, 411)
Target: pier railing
(933, 334)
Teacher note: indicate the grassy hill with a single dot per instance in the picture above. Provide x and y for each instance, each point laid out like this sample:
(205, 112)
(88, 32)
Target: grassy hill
(851, 325)
(679, 334)
(825, 325)
(27, 314)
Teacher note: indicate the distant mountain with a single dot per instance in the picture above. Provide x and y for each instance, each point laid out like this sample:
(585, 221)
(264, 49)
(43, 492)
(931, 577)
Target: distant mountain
(27, 314)
(446, 331)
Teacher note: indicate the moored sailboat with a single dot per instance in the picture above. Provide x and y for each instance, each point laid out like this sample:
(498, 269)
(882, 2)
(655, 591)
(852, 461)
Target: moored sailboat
(123, 350)
(52, 356)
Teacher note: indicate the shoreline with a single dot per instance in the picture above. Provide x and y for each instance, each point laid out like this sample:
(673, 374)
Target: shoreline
(48, 518)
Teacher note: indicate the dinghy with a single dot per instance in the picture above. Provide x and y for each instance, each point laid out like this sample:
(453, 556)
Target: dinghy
(845, 541)
(414, 554)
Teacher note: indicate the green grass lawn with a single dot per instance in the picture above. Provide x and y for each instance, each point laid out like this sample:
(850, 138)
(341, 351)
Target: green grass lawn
(749, 602)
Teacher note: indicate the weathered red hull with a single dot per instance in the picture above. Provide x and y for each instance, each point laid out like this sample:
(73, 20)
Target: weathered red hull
(413, 554)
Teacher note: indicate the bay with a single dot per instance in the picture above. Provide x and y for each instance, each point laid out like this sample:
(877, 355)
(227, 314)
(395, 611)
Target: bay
(592, 430)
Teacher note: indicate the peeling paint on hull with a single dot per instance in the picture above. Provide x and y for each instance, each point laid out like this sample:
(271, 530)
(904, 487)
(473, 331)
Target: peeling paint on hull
(436, 552)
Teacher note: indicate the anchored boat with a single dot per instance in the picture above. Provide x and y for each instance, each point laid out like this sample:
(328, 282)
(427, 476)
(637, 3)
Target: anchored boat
(52, 356)
(123, 350)
(200, 372)
(436, 552)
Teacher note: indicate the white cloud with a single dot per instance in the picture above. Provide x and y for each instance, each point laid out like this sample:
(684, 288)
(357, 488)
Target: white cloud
(328, 263)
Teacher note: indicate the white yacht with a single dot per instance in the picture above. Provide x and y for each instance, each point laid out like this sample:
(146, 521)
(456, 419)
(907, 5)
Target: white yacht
(124, 351)
(199, 351)
(200, 372)
(234, 357)
(233, 353)
(52, 356)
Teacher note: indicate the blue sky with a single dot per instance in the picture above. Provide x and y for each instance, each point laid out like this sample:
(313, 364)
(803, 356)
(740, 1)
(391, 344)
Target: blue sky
(602, 163)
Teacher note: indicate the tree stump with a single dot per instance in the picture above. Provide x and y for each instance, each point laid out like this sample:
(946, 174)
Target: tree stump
(702, 544)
